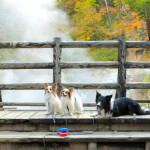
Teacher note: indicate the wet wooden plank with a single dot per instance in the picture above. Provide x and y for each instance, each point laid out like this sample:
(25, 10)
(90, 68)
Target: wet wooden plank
(26, 115)
(39, 115)
(12, 115)
(108, 136)
(3, 113)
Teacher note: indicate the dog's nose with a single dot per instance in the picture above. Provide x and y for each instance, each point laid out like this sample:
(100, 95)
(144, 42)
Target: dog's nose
(98, 104)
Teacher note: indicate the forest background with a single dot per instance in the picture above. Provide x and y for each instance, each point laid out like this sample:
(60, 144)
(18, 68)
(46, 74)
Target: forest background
(96, 20)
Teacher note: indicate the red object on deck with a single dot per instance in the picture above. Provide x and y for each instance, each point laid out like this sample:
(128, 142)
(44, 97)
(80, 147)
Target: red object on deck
(148, 27)
(63, 133)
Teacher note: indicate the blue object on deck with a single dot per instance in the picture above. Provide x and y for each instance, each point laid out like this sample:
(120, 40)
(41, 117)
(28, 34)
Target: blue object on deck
(63, 130)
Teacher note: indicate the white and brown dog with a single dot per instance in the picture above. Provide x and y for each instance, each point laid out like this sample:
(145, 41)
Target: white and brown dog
(51, 99)
(70, 102)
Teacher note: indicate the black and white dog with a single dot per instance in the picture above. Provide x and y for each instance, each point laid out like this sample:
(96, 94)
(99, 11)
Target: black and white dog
(119, 107)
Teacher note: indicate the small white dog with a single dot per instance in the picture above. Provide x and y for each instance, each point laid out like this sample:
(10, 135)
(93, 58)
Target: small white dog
(70, 102)
(51, 99)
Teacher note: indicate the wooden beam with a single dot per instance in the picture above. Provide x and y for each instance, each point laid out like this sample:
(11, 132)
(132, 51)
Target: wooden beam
(107, 136)
(138, 44)
(121, 70)
(37, 104)
(148, 27)
(26, 45)
(70, 65)
(91, 85)
(75, 44)
(141, 85)
(25, 86)
(40, 86)
(90, 44)
(137, 65)
(26, 65)
(57, 60)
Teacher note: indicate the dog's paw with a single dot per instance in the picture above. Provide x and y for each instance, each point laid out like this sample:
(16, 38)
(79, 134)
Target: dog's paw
(94, 115)
(47, 113)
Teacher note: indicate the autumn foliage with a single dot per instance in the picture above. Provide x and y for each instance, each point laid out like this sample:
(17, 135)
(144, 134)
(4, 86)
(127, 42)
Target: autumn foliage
(93, 22)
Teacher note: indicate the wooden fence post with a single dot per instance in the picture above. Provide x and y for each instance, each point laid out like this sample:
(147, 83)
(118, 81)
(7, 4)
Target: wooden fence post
(1, 98)
(57, 59)
(121, 92)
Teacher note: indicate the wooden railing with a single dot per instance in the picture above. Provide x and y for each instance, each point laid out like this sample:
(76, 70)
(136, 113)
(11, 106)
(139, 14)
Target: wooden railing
(121, 86)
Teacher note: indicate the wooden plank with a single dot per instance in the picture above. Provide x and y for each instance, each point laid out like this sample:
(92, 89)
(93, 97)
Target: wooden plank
(138, 44)
(40, 86)
(70, 65)
(57, 60)
(20, 104)
(139, 85)
(11, 115)
(1, 99)
(43, 104)
(147, 146)
(26, 65)
(75, 44)
(26, 114)
(3, 113)
(148, 27)
(121, 92)
(26, 45)
(39, 115)
(92, 85)
(25, 86)
(92, 146)
(137, 65)
(29, 137)
(90, 44)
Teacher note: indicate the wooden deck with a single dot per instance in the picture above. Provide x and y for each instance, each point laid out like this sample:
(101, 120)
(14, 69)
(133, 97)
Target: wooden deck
(37, 120)
(33, 129)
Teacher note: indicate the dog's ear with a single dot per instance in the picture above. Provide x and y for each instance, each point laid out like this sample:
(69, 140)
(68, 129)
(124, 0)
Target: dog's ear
(54, 86)
(108, 97)
(70, 92)
(46, 84)
(97, 95)
(71, 89)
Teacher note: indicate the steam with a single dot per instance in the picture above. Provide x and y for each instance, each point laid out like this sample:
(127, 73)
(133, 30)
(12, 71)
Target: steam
(41, 20)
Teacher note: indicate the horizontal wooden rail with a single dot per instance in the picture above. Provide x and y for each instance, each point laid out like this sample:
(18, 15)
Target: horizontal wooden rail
(67, 65)
(137, 65)
(24, 86)
(70, 65)
(76, 44)
(91, 85)
(40, 86)
(26, 65)
(138, 44)
(26, 44)
(140, 85)
(37, 104)
(43, 104)
(90, 44)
